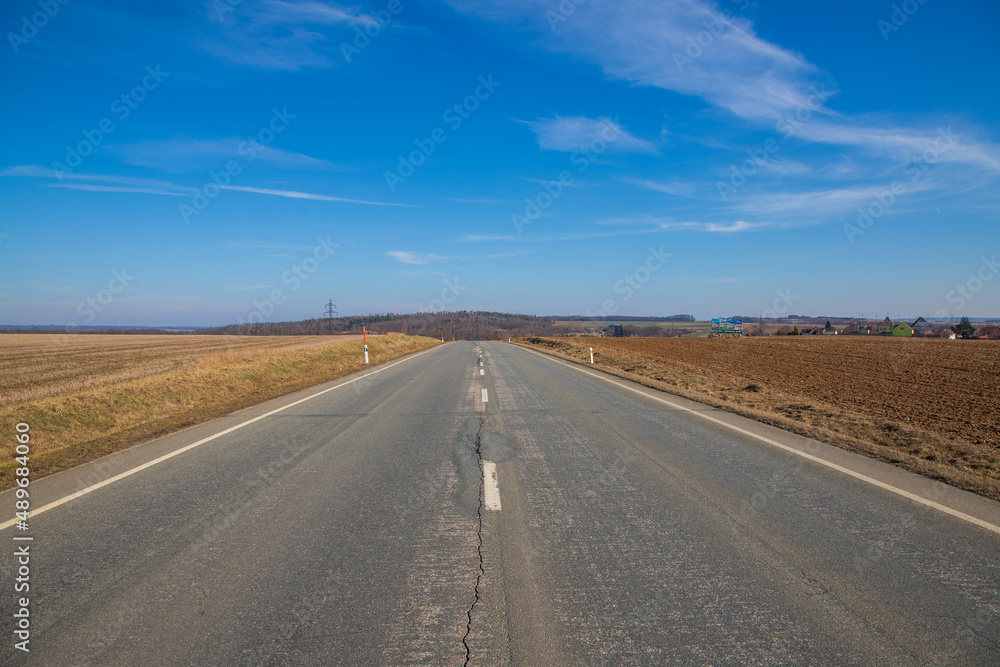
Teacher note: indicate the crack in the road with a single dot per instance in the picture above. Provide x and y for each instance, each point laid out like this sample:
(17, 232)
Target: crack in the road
(479, 546)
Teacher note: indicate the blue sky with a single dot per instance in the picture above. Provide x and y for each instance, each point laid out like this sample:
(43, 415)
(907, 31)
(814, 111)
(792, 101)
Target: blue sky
(199, 163)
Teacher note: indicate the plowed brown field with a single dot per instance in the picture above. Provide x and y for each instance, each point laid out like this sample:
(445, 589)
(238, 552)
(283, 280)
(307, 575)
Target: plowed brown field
(931, 405)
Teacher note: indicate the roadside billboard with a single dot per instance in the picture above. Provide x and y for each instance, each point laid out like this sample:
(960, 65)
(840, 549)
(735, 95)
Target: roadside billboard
(727, 326)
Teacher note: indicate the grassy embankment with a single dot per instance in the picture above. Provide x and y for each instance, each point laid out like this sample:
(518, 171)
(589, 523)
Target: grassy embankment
(85, 396)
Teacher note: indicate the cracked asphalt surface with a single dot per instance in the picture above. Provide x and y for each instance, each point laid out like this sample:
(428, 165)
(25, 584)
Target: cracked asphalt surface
(350, 530)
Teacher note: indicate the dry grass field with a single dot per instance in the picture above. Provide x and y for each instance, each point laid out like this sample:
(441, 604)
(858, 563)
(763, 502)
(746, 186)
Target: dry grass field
(85, 396)
(929, 405)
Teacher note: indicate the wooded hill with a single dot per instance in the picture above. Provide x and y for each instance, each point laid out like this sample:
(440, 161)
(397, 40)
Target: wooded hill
(462, 325)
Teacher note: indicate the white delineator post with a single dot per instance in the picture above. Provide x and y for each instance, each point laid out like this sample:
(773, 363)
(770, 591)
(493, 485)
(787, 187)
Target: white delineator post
(591, 355)
(364, 332)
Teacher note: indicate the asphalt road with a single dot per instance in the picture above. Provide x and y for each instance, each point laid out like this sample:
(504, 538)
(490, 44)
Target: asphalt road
(351, 529)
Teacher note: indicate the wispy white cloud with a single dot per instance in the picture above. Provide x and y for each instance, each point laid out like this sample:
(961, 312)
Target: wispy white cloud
(280, 35)
(728, 227)
(943, 143)
(96, 182)
(410, 257)
(676, 188)
(649, 43)
(93, 187)
(808, 207)
(695, 48)
(268, 246)
(482, 200)
(185, 154)
(579, 236)
(480, 238)
(414, 274)
(421, 258)
(126, 184)
(507, 255)
(647, 223)
(293, 194)
(326, 13)
(574, 133)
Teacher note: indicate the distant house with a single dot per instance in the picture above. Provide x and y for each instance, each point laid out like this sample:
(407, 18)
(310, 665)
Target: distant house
(884, 327)
(902, 329)
(922, 327)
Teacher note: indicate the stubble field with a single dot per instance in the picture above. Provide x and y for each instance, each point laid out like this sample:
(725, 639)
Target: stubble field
(929, 405)
(87, 395)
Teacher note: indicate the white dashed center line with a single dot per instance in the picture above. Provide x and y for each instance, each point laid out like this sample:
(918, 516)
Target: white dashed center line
(484, 395)
(491, 487)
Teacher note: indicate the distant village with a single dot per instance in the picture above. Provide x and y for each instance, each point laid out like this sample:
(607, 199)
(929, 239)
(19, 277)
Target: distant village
(919, 328)
(801, 326)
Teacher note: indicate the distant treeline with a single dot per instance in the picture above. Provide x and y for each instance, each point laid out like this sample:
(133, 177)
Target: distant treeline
(627, 318)
(51, 328)
(462, 325)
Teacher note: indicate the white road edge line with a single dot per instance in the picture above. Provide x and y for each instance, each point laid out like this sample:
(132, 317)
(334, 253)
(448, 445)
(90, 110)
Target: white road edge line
(491, 487)
(847, 471)
(484, 395)
(161, 459)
